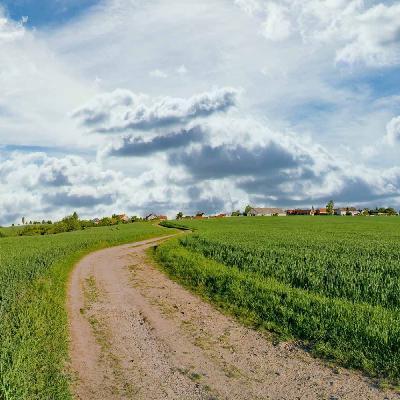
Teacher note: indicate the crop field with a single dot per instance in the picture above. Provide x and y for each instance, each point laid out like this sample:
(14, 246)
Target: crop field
(33, 321)
(332, 282)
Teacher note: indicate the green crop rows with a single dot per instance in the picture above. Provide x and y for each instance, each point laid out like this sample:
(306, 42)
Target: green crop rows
(33, 323)
(333, 282)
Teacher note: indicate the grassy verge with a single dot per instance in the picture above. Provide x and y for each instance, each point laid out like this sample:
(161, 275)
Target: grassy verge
(355, 335)
(34, 273)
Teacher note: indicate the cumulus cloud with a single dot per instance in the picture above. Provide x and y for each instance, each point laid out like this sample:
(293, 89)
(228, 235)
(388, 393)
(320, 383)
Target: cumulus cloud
(393, 131)
(374, 37)
(58, 185)
(122, 110)
(223, 161)
(137, 146)
(361, 32)
(281, 171)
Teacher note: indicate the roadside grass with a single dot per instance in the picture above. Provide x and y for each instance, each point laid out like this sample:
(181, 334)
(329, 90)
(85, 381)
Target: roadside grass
(34, 272)
(354, 335)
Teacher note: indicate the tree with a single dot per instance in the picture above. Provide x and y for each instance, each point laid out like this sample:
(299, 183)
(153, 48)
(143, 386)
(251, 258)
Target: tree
(247, 209)
(236, 213)
(23, 220)
(179, 215)
(75, 215)
(330, 206)
(391, 211)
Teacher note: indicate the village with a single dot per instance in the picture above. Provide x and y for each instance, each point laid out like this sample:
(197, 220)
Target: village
(282, 212)
(250, 211)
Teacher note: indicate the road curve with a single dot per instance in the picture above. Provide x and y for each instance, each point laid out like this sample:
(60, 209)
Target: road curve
(135, 334)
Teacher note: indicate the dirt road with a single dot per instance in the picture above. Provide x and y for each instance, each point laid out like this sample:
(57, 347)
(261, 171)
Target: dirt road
(135, 334)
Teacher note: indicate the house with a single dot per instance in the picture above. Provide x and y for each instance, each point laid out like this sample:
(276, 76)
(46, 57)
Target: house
(300, 212)
(321, 211)
(96, 221)
(123, 217)
(266, 212)
(199, 215)
(346, 211)
(151, 217)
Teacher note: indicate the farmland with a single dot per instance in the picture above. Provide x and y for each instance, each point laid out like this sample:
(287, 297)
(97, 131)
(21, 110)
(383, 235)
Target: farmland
(332, 282)
(33, 322)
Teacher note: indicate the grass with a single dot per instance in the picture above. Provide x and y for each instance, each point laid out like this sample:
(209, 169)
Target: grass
(33, 323)
(332, 282)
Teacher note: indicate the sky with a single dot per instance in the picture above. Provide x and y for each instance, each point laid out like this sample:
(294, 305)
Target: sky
(133, 106)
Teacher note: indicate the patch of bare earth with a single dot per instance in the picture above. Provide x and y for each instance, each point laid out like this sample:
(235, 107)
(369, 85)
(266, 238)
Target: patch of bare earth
(135, 334)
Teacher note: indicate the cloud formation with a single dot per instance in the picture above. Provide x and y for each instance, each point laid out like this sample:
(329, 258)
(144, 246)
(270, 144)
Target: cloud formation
(361, 32)
(138, 147)
(122, 110)
(9, 30)
(225, 161)
(319, 83)
(393, 131)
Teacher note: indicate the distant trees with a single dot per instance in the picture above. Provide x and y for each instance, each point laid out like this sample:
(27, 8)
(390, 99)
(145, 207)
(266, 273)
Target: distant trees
(379, 211)
(330, 207)
(236, 213)
(179, 215)
(247, 209)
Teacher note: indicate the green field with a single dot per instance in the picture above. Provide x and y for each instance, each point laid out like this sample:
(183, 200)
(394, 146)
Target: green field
(333, 282)
(33, 322)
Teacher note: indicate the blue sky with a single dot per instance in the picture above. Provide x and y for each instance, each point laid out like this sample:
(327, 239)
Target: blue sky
(166, 106)
(42, 13)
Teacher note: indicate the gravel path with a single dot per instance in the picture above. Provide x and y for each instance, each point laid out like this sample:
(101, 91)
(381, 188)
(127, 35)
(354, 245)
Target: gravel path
(135, 334)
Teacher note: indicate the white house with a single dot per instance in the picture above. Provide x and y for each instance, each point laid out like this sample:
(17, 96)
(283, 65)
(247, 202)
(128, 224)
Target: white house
(266, 212)
(150, 217)
(346, 211)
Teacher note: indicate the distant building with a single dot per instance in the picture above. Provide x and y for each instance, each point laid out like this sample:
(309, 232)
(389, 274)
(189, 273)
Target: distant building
(96, 221)
(266, 212)
(199, 215)
(346, 211)
(152, 217)
(123, 217)
(298, 211)
(321, 211)
(218, 216)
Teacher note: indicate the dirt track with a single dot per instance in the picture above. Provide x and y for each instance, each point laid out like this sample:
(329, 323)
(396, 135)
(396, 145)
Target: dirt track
(135, 334)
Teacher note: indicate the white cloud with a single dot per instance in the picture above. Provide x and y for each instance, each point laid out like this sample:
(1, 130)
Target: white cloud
(393, 131)
(10, 31)
(37, 91)
(277, 24)
(122, 110)
(359, 33)
(374, 37)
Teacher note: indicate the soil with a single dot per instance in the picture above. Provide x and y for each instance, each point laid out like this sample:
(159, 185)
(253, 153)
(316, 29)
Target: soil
(135, 334)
